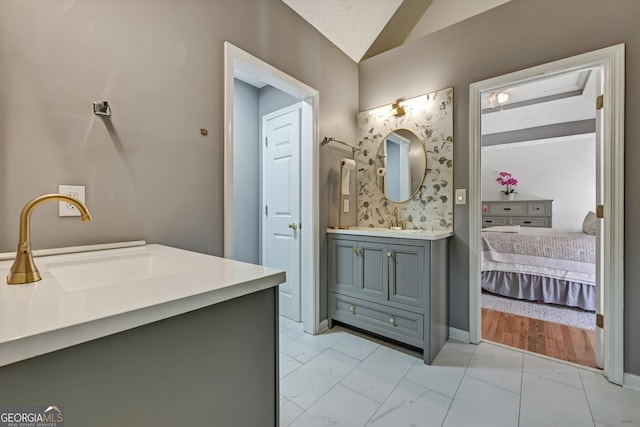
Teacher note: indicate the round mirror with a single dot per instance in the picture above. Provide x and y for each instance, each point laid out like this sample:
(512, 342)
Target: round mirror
(401, 165)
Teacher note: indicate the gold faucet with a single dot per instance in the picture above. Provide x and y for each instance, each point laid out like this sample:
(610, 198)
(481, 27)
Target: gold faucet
(396, 223)
(23, 269)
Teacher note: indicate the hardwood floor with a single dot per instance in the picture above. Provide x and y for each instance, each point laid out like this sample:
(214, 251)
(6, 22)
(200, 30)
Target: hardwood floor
(538, 336)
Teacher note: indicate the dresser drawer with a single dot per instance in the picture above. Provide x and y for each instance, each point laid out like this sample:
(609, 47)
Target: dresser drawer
(399, 325)
(539, 208)
(490, 221)
(507, 208)
(529, 222)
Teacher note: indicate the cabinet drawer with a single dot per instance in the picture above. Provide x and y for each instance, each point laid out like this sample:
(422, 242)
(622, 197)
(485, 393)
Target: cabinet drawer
(488, 221)
(529, 222)
(399, 325)
(507, 208)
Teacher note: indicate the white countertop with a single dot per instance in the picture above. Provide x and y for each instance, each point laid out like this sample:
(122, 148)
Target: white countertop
(398, 234)
(37, 318)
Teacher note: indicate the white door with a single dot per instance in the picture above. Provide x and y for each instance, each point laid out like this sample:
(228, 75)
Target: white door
(281, 199)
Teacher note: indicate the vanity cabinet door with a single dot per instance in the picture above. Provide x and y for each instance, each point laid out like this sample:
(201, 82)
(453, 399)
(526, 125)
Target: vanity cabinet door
(407, 277)
(373, 270)
(344, 265)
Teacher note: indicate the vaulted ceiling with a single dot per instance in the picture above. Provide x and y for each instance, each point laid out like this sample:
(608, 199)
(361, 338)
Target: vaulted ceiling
(365, 28)
(556, 106)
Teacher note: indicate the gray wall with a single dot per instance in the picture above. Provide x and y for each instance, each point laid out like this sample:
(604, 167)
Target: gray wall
(246, 173)
(148, 171)
(510, 37)
(272, 99)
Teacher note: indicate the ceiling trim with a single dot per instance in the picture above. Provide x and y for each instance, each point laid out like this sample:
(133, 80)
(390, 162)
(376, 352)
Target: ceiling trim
(583, 79)
(534, 101)
(556, 130)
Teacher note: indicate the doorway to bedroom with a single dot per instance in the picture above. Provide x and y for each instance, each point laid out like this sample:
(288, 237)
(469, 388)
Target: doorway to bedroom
(609, 195)
(539, 175)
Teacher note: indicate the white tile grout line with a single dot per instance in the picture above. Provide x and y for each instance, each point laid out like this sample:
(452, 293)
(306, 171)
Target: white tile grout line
(444, 420)
(584, 390)
(521, 386)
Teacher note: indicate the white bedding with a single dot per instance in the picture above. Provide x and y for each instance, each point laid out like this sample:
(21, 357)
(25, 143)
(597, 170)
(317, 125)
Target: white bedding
(560, 254)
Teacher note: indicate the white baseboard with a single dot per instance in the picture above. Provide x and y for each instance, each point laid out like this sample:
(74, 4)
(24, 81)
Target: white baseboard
(632, 381)
(459, 335)
(323, 325)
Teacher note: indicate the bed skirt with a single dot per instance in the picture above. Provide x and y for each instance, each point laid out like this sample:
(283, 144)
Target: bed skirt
(539, 288)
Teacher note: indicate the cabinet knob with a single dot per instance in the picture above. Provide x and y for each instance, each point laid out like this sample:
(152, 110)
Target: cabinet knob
(352, 309)
(356, 250)
(392, 320)
(293, 226)
(389, 253)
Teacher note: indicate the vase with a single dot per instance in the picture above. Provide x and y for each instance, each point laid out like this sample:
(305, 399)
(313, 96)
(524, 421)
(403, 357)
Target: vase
(510, 196)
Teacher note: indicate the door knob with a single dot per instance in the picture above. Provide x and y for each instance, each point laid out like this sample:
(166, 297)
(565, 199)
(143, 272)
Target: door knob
(293, 226)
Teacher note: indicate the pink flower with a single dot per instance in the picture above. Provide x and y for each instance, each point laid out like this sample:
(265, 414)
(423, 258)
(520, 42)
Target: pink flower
(505, 178)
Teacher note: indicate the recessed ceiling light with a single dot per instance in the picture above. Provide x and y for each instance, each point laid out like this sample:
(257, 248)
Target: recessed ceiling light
(502, 97)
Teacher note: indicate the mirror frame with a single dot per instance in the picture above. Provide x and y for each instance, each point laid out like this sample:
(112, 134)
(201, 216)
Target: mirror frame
(423, 150)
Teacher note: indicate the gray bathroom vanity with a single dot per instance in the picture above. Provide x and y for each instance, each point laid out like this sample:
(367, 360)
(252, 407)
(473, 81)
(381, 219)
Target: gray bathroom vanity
(393, 283)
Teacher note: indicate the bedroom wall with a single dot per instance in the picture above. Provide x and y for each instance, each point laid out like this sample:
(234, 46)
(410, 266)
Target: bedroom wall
(516, 35)
(561, 170)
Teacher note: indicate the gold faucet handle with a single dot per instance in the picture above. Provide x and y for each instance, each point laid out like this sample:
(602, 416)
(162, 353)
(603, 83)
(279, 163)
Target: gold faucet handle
(403, 223)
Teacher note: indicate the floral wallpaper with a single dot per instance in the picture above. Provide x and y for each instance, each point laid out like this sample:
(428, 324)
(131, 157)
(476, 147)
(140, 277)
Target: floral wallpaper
(431, 208)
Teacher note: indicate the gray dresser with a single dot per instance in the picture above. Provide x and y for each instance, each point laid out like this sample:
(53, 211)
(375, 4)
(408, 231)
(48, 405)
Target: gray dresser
(393, 287)
(527, 213)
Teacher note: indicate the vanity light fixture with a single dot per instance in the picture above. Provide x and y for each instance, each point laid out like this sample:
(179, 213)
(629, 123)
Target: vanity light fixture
(397, 109)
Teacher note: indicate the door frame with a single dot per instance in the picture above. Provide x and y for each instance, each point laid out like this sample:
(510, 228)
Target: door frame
(611, 59)
(241, 64)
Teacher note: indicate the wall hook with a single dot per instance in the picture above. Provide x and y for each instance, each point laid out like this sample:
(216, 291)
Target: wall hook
(101, 108)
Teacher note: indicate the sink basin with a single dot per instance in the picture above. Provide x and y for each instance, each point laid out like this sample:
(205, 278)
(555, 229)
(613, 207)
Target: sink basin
(80, 275)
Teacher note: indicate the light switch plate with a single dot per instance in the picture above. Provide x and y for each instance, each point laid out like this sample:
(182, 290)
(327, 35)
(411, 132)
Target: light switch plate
(345, 205)
(461, 196)
(75, 191)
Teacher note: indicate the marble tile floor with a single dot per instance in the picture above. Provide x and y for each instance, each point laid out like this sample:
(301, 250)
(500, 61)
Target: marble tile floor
(343, 378)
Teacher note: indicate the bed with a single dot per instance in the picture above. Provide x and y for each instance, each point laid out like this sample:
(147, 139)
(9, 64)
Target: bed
(540, 264)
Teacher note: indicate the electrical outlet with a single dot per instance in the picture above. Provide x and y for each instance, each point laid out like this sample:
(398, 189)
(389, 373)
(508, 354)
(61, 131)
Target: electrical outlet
(75, 191)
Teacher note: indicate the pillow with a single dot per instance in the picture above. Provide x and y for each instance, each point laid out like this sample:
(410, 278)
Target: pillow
(590, 223)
